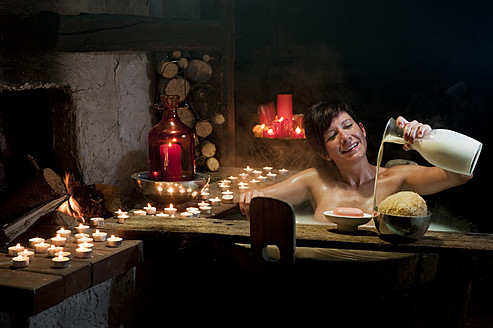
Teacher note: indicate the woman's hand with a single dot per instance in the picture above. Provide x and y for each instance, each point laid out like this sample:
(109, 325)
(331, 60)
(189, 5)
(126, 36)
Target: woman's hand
(412, 131)
(244, 201)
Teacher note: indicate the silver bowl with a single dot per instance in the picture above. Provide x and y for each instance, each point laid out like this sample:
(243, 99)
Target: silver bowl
(404, 227)
(170, 192)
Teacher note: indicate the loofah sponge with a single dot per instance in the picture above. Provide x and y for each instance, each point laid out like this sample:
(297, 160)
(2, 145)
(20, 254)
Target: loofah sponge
(404, 203)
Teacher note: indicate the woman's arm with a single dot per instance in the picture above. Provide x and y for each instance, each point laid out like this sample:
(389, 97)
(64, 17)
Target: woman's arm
(294, 190)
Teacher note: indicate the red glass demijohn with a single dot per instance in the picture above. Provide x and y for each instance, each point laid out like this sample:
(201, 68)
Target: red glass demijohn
(171, 146)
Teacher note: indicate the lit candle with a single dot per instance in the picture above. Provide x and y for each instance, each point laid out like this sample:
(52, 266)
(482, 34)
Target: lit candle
(170, 210)
(54, 249)
(171, 157)
(226, 182)
(285, 106)
(80, 235)
(233, 179)
(254, 182)
(162, 215)
(202, 204)
(82, 240)
(14, 250)
(262, 178)
(58, 240)
(215, 201)
(99, 235)
(82, 252)
(87, 244)
(64, 253)
(60, 261)
(27, 253)
(150, 210)
(97, 222)
(20, 261)
(283, 171)
(138, 212)
(243, 176)
(114, 241)
(243, 188)
(223, 186)
(121, 218)
(267, 169)
(271, 176)
(64, 232)
(227, 199)
(34, 241)
(205, 209)
(120, 212)
(42, 247)
(227, 192)
(205, 195)
(248, 169)
(82, 228)
(186, 214)
(256, 173)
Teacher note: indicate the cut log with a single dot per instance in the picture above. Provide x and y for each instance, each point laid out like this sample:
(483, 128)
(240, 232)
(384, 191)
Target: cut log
(182, 63)
(218, 119)
(45, 187)
(176, 54)
(20, 225)
(208, 149)
(168, 69)
(203, 100)
(177, 86)
(212, 164)
(198, 71)
(203, 128)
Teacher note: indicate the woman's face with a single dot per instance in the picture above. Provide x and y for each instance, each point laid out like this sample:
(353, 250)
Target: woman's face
(345, 140)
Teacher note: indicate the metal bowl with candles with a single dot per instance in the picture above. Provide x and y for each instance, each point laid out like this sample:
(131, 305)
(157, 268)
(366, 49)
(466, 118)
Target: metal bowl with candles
(402, 227)
(170, 192)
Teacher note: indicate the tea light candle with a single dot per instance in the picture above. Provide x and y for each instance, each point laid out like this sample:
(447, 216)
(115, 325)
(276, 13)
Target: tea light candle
(42, 247)
(87, 244)
(80, 235)
(186, 214)
(226, 182)
(82, 252)
(99, 235)
(205, 195)
(120, 212)
(54, 249)
(162, 215)
(170, 210)
(82, 228)
(150, 210)
(60, 261)
(223, 186)
(243, 188)
(215, 201)
(233, 179)
(114, 241)
(20, 261)
(14, 250)
(84, 240)
(267, 169)
(256, 173)
(34, 241)
(242, 184)
(227, 199)
(28, 253)
(64, 232)
(139, 212)
(248, 169)
(203, 204)
(254, 182)
(206, 209)
(97, 222)
(64, 253)
(283, 171)
(121, 218)
(227, 192)
(58, 240)
(243, 175)
(262, 178)
(271, 176)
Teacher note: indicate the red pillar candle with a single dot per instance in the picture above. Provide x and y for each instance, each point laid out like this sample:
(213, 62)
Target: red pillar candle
(285, 106)
(171, 159)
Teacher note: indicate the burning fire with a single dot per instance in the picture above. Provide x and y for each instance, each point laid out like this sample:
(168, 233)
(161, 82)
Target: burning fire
(71, 206)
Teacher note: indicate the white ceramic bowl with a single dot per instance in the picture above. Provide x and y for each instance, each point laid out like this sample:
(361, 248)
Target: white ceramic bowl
(347, 223)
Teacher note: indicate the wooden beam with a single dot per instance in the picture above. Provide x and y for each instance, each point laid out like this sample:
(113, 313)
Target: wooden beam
(104, 32)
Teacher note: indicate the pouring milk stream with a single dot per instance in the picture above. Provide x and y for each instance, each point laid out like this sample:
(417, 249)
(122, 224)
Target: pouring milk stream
(449, 150)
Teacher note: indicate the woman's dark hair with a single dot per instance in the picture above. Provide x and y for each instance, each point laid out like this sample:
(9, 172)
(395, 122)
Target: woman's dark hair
(319, 118)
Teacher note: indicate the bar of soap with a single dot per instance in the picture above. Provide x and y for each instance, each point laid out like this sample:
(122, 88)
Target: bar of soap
(348, 211)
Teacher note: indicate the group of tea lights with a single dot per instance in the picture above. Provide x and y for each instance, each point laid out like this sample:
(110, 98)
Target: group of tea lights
(22, 257)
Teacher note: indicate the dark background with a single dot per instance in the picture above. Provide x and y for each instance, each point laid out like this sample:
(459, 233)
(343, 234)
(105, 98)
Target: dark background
(425, 60)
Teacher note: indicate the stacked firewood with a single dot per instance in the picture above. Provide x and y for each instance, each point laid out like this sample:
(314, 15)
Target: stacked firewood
(190, 77)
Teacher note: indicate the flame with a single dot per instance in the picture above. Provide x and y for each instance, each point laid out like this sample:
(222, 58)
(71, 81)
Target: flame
(71, 206)
(298, 130)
